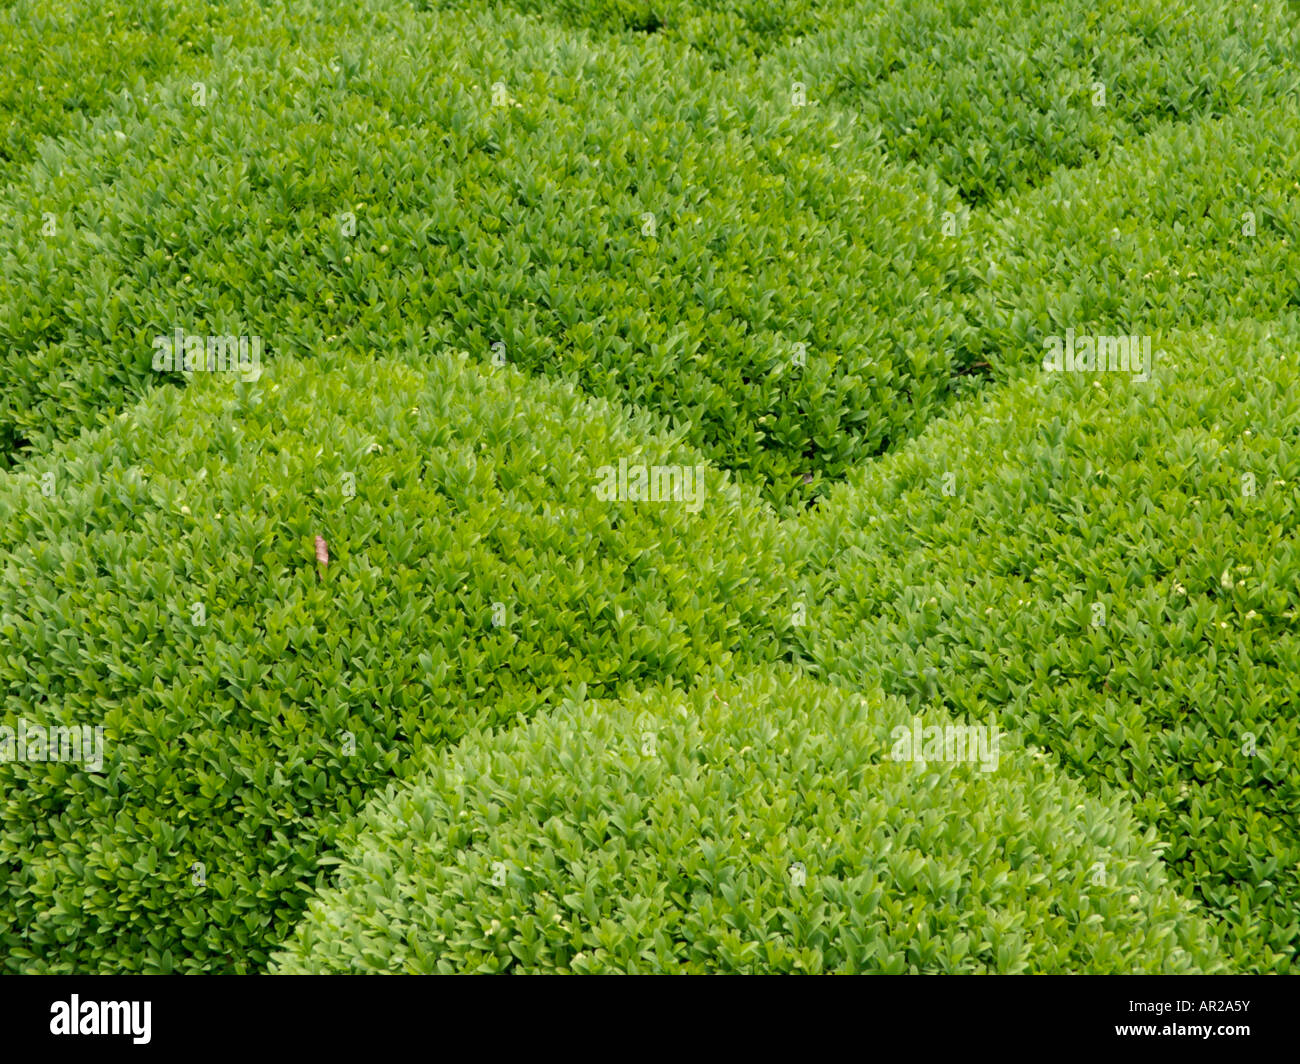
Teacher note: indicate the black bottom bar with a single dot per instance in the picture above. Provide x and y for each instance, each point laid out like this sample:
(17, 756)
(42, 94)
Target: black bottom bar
(1214, 1014)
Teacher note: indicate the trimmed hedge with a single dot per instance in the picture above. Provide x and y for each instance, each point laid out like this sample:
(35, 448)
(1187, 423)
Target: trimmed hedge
(107, 83)
(700, 321)
(762, 239)
(226, 741)
(1153, 238)
(993, 99)
(1081, 556)
(999, 102)
(1085, 556)
(77, 57)
(757, 826)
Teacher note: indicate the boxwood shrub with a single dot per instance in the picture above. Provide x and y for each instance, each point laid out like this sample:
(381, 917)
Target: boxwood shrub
(280, 597)
(669, 236)
(74, 56)
(159, 579)
(754, 826)
(998, 102)
(78, 57)
(1110, 567)
(1195, 224)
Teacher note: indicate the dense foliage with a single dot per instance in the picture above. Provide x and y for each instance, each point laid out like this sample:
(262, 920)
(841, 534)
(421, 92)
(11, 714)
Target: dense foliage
(243, 741)
(1116, 576)
(756, 827)
(394, 671)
